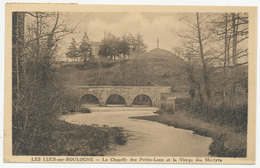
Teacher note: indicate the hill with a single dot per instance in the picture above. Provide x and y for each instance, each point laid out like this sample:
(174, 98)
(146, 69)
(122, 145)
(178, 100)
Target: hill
(156, 67)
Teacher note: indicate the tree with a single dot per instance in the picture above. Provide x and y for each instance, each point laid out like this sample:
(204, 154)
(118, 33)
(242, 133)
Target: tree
(121, 47)
(124, 46)
(136, 43)
(17, 56)
(73, 51)
(107, 48)
(114, 47)
(216, 43)
(202, 58)
(35, 101)
(231, 31)
(197, 49)
(85, 49)
(140, 46)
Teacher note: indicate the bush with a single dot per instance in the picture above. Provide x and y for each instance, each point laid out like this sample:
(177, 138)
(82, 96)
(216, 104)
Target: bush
(65, 112)
(183, 104)
(218, 148)
(84, 110)
(65, 139)
(119, 136)
(169, 109)
(224, 113)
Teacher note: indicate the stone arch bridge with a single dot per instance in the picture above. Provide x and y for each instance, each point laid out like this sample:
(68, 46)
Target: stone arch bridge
(129, 93)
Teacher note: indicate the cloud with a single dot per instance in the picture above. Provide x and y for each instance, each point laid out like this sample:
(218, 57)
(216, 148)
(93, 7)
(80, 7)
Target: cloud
(165, 26)
(161, 26)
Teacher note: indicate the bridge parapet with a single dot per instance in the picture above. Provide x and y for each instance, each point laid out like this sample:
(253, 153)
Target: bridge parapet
(127, 92)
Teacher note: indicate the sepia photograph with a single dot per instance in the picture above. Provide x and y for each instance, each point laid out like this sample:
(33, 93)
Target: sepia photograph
(110, 84)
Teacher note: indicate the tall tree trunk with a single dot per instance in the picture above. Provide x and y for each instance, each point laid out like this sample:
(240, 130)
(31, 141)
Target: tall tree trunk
(234, 28)
(204, 66)
(201, 97)
(235, 22)
(17, 54)
(18, 43)
(225, 57)
(228, 51)
(37, 46)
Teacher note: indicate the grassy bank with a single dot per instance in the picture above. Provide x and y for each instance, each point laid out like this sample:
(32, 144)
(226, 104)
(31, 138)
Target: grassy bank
(156, 67)
(226, 141)
(65, 139)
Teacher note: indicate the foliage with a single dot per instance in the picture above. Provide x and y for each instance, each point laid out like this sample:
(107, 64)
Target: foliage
(121, 47)
(36, 91)
(215, 50)
(72, 140)
(85, 49)
(73, 51)
(110, 46)
(215, 45)
(218, 148)
(38, 96)
(144, 70)
(84, 110)
(137, 44)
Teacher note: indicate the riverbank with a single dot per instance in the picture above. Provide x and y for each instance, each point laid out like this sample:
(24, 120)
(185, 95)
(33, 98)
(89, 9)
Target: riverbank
(88, 140)
(226, 141)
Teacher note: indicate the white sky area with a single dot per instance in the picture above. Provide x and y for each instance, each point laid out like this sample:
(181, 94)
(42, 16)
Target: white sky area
(150, 25)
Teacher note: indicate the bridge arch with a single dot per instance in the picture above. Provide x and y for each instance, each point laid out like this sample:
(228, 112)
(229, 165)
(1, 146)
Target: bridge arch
(115, 99)
(142, 99)
(89, 99)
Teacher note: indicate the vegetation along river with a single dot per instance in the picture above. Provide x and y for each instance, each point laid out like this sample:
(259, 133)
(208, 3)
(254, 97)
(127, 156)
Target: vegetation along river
(146, 138)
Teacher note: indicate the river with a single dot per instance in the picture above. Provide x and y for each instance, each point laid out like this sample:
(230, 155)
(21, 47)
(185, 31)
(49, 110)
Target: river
(146, 138)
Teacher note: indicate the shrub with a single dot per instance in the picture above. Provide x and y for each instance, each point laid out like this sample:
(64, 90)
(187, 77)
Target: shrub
(119, 136)
(72, 140)
(218, 148)
(224, 113)
(84, 110)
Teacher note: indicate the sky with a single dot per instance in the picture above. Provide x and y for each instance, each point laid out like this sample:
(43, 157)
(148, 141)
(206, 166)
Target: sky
(165, 26)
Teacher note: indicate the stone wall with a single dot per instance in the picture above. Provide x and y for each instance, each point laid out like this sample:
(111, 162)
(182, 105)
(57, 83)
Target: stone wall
(127, 92)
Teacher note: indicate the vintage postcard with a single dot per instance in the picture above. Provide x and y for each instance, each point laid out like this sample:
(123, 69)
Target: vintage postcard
(130, 84)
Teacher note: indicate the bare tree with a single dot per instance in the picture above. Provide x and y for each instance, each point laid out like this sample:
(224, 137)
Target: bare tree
(36, 36)
(231, 32)
(197, 52)
(204, 65)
